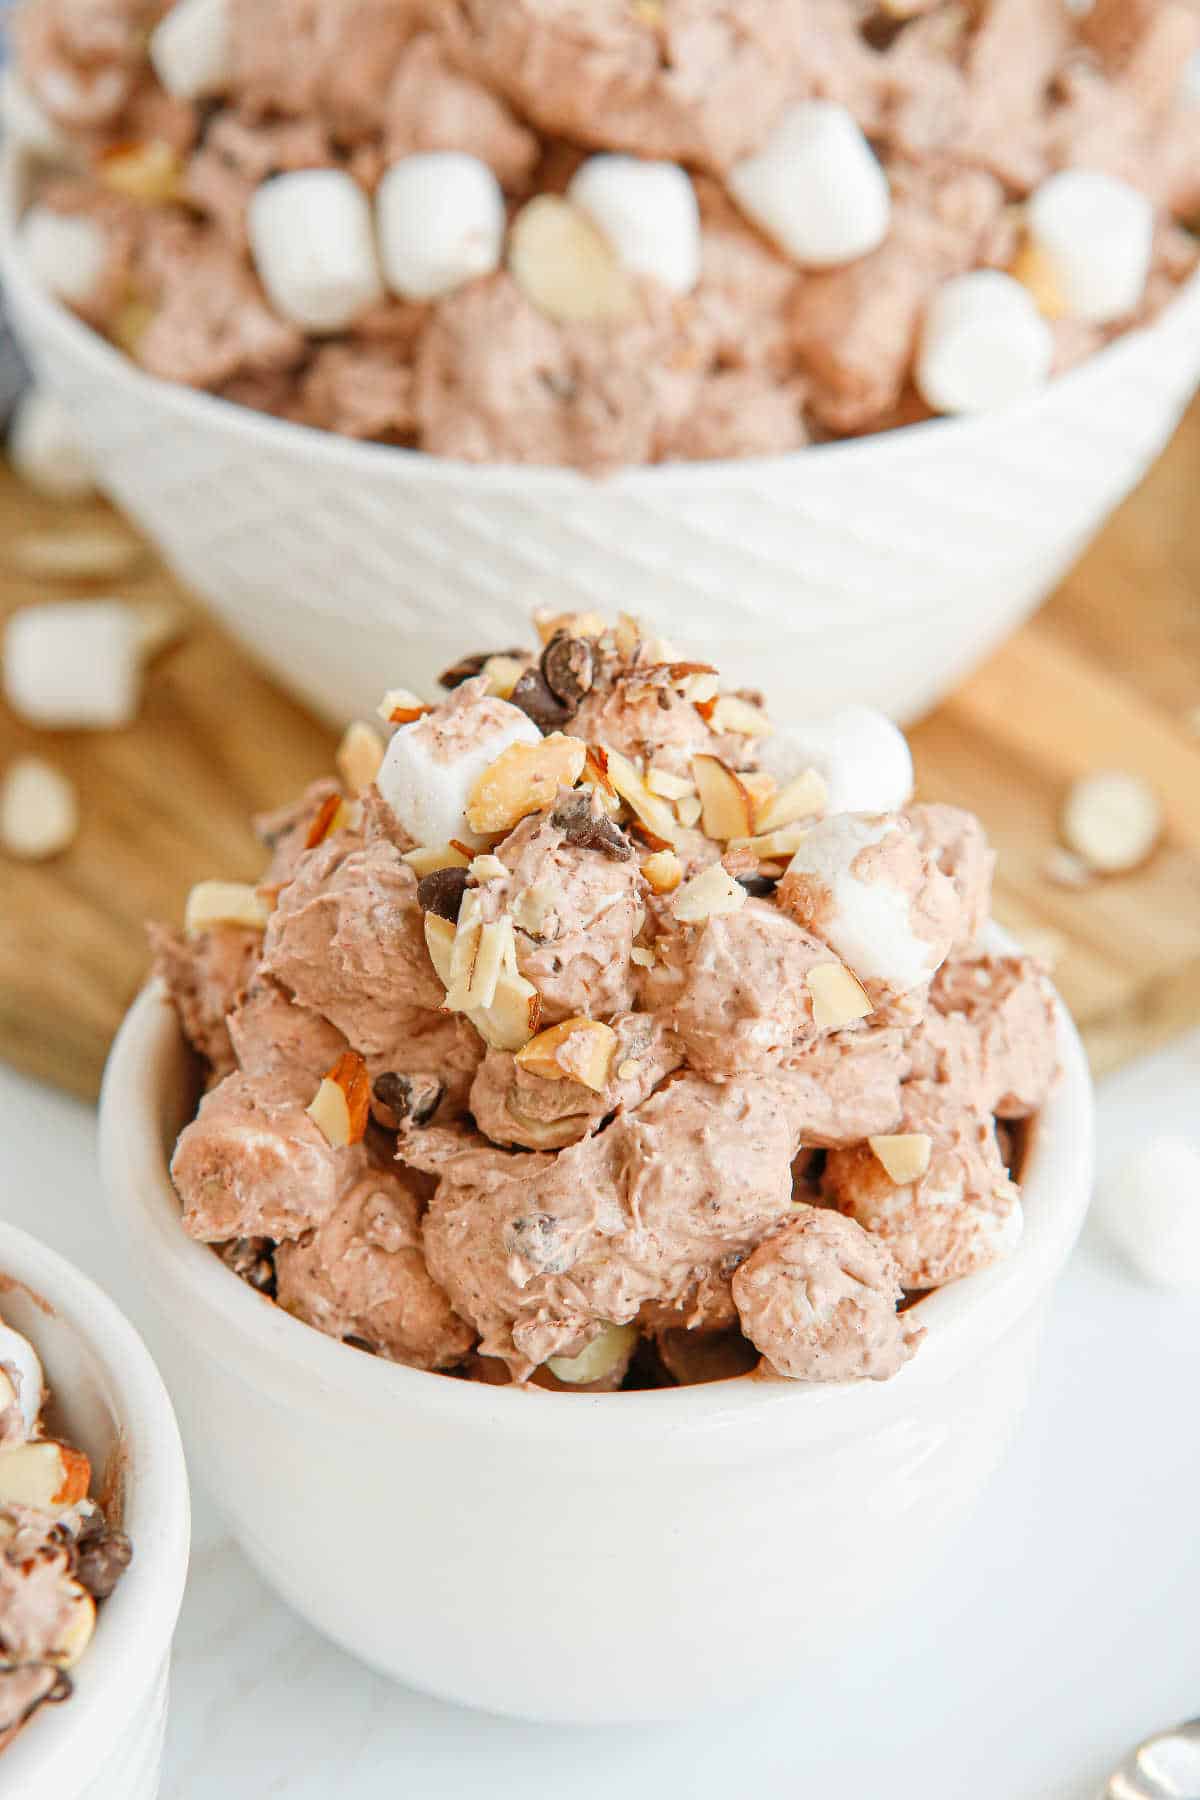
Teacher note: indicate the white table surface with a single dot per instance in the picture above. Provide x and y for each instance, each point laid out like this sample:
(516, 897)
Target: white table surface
(1065, 1624)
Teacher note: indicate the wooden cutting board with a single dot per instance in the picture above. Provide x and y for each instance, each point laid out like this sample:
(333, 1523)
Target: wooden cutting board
(1108, 675)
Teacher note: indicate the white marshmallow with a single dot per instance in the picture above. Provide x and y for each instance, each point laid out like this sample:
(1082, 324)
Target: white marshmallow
(427, 793)
(192, 48)
(864, 759)
(1150, 1205)
(66, 253)
(816, 186)
(74, 664)
(1189, 86)
(983, 344)
(1096, 234)
(440, 217)
(869, 923)
(26, 125)
(648, 213)
(44, 450)
(19, 1358)
(39, 810)
(314, 247)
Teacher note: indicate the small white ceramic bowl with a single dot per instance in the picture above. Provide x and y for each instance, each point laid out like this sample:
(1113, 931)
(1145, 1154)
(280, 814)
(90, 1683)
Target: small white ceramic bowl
(105, 1742)
(878, 571)
(580, 1557)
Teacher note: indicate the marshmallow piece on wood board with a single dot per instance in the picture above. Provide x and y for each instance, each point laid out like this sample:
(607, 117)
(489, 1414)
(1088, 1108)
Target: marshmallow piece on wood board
(74, 664)
(864, 759)
(648, 212)
(983, 344)
(313, 244)
(191, 48)
(64, 252)
(440, 216)
(427, 788)
(1096, 234)
(816, 187)
(1149, 1203)
(19, 1358)
(44, 450)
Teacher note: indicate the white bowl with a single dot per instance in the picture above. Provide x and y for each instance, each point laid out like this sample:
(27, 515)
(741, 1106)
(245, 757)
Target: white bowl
(106, 1742)
(580, 1557)
(879, 570)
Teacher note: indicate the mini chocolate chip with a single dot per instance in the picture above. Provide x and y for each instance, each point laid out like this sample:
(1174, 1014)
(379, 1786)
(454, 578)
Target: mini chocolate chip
(253, 1259)
(441, 892)
(590, 830)
(357, 1343)
(537, 702)
(759, 887)
(407, 1098)
(101, 1562)
(469, 666)
(569, 667)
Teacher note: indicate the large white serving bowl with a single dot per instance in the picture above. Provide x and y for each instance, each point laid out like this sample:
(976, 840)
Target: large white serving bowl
(106, 1742)
(580, 1556)
(879, 570)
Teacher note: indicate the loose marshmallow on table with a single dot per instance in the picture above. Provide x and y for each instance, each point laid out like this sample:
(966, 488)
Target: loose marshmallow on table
(863, 758)
(1150, 1205)
(44, 449)
(74, 664)
(39, 810)
(66, 253)
(192, 48)
(862, 883)
(440, 216)
(816, 186)
(19, 1359)
(1095, 233)
(983, 344)
(431, 765)
(314, 247)
(647, 211)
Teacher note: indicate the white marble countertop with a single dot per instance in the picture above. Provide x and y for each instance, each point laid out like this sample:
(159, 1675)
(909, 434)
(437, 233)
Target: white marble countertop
(1065, 1624)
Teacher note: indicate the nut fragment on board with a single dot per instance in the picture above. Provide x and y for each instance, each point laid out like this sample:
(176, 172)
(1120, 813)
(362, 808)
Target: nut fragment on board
(224, 903)
(1112, 819)
(359, 756)
(39, 810)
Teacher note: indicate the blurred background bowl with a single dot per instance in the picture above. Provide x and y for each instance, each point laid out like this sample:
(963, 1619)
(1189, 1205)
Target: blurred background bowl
(879, 570)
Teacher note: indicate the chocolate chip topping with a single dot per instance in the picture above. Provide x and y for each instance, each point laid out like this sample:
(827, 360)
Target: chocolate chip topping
(415, 1098)
(253, 1258)
(569, 667)
(469, 666)
(441, 892)
(759, 887)
(538, 703)
(587, 829)
(101, 1561)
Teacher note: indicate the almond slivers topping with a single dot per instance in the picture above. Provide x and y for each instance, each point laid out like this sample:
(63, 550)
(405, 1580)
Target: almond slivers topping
(663, 871)
(524, 779)
(224, 903)
(427, 859)
(708, 895)
(739, 716)
(727, 810)
(359, 757)
(400, 707)
(838, 997)
(341, 1105)
(804, 797)
(905, 1155)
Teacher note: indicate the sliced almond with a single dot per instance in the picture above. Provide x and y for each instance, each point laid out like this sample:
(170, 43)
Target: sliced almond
(702, 690)
(708, 895)
(86, 553)
(427, 858)
(740, 717)
(577, 1049)
(564, 265)
(838, 997)
(628, 633)
(524, 779)
(1036, 273)
(488, 868)
(326, 820)
(39, 810)
(761, 788)
(341, 1105)
(643, 956)
(604, 1354)
(653, 813)
(359, 757)
(400, 707)
(77, 1628)
(726, 809)
(146, 172)
(782, 843)
(512, 1018)
(44, 1474)
(904, 1154)
(503, 674)
(689, 810)
(575, 624)
(668, 786)
(466, 949)
(1113, 820)
(804, 797)
(495, 942)
(663, 871)
(224, 903)
(439, 941)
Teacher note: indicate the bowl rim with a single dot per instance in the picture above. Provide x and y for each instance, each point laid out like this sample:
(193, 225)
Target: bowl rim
(58, 1755)
(142, 1101)
(202, 410)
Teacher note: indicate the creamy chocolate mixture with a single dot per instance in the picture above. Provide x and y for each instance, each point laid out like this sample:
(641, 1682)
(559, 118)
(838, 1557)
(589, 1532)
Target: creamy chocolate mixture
(59, 1556)
(647, 1069)
(966, 107)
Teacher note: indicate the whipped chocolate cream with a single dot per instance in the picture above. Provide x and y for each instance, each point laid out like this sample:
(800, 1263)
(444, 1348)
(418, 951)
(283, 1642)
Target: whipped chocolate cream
(753, 205)
(589, 1054)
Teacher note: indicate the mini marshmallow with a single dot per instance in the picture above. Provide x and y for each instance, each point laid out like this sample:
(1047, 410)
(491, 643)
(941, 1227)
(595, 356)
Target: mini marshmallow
(864, 759)
(65, 253)
(1189, 86)
(1096, 235)
(26, 125)
(983, 344)
(44, 450)
(440, 217)
(192, 49)
(74, 665)
(868, 908)
(816, 187)
(427, 788)
(19, 1359)
(313, 244)
(1150, 1205)
(39, 810)
(648, 213)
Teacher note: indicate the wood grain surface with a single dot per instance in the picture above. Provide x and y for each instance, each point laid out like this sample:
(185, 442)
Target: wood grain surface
(1107, 676)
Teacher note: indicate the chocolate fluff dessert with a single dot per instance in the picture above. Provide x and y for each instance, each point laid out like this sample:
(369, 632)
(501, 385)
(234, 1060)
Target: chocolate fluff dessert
(59, 1556)
(589, 1032)
(623, 232)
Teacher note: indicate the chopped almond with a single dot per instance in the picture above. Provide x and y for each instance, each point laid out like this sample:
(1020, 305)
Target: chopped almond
(653, 813)
(45, 1474)
(524, 779)
(782, 843)
(564, 265)
(663, 871)
(341, 1105)
(503, 674)
(575, 624)
(146, 172)
(578, 1049)
(804, 797)
(628, 1069)
(400, 707)
(733, 714)
(838, 997)
(512, 1018)
(761, 788)
(76, 1628)
(488, 868)
(904, 1154)
(359, 757)
(726, 808)
(708, 895)
(325, 822)
(668, 786)
(613, 1346)
(437, 856)
(1036, 273)
(224, 903)
(643, 956)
